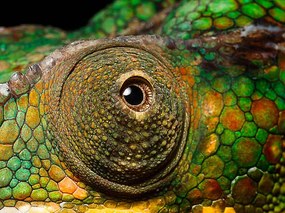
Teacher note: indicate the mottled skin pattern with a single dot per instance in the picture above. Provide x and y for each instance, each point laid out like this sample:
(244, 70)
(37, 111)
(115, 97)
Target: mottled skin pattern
(206, 136)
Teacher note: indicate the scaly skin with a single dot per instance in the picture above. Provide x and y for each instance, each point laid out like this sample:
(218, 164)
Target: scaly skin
(207, 136)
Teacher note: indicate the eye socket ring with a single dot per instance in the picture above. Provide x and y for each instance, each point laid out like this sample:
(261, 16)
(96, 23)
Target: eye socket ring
(137, 93)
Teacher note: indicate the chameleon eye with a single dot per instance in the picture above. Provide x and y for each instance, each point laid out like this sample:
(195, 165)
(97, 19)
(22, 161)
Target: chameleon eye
(137, 94)
(118, 115)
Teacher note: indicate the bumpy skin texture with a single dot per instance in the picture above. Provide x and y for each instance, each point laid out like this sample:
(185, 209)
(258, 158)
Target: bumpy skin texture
(207, 136)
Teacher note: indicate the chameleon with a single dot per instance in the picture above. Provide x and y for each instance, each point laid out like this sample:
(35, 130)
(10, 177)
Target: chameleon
(154, 106)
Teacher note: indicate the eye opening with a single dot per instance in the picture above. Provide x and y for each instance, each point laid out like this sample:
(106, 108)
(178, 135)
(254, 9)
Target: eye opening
(137, 93)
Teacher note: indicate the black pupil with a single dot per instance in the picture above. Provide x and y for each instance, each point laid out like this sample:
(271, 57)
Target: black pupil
(134, 96)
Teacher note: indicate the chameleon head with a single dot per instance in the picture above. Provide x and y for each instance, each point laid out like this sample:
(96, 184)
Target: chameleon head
(118, 115)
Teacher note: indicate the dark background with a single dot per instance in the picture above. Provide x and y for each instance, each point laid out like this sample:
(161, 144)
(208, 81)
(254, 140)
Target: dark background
(68, 15)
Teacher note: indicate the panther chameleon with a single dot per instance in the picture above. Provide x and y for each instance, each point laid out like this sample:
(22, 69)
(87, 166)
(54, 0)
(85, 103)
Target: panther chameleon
(154, 106)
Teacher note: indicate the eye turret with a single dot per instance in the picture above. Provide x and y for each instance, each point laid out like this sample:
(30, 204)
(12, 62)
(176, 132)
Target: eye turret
(121, 120)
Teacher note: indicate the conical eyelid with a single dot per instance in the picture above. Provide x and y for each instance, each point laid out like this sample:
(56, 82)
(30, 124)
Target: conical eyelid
(56, 75)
